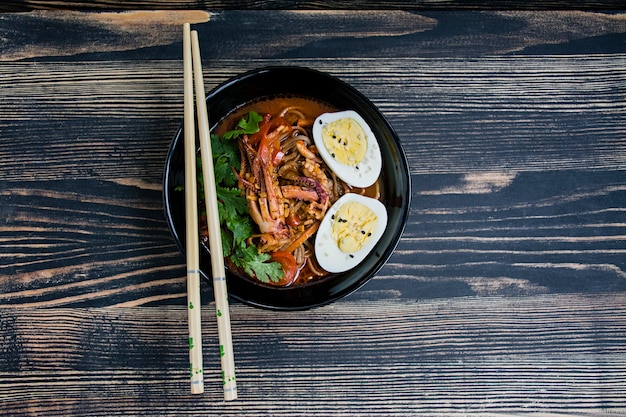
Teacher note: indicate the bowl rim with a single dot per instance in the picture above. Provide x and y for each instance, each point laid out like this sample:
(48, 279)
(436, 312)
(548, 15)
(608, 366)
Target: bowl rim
(345, 287)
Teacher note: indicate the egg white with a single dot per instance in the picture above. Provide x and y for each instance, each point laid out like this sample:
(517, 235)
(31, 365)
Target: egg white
(327, 251)
(367, 171)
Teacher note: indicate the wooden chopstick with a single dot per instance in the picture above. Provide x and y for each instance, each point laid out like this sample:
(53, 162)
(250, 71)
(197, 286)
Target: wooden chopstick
(215, 240)
(191, 212)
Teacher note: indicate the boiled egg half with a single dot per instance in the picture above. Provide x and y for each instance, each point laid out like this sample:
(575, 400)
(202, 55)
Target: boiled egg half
(348, 146)
(349, 231)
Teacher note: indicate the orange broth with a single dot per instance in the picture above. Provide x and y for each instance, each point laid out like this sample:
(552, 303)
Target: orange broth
(311, 109)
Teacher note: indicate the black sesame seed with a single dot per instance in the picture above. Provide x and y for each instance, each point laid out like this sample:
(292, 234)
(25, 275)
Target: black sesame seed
(369, 234)
(332, 217)
(351, 255)
(332, 154)
(362, 232)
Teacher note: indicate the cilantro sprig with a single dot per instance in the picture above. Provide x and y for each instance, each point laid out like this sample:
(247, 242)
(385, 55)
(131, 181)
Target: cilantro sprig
(246, 126)
(234, 215)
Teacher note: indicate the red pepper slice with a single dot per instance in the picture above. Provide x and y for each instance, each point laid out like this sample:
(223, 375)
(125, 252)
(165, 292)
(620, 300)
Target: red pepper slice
(293, 220)
(264, 127)
(268, 138)
(290, 268)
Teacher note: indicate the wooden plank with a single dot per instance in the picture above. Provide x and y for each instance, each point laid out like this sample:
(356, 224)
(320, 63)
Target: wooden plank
(148, 35)
(485, 355)
(25, 5)
(568, 237)
(505, 295)
(519, 113)
(517, 169)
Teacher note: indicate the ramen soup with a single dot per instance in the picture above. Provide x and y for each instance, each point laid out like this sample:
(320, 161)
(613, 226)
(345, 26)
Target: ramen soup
(285, 186)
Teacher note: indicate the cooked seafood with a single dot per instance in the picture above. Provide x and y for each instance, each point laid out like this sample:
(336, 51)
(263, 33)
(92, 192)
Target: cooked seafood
(287, 185)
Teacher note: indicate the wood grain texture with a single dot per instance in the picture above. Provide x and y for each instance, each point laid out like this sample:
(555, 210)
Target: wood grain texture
(540, 210)
(516, 159)
(484, 356)
(140, 35)
(505, 295)
(26, 5)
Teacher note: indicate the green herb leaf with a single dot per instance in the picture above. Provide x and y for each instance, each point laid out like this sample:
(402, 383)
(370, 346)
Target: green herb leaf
(247, 125)
(257, 265)
(231, 203)
(234, 215)
(227, 242)
(242, 229)
(225, 159)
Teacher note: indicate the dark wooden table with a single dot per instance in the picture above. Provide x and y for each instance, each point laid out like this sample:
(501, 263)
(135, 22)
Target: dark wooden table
(506, 294)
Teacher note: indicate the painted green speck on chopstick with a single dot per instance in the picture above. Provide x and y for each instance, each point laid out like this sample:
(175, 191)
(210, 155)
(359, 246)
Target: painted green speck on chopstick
(227, 379)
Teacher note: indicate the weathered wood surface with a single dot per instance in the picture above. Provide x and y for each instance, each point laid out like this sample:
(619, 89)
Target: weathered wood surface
(155, 35)
(507, 290)
(470, 356)
(28, 5)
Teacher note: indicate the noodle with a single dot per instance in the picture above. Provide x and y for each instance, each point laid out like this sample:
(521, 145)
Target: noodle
(287, 185)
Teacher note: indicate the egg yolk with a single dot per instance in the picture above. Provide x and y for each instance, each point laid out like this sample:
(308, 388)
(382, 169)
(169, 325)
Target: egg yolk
(345, 140)
(352, 226)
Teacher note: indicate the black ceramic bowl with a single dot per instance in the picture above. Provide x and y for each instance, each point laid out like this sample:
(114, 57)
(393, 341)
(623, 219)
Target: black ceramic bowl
(395, 182)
